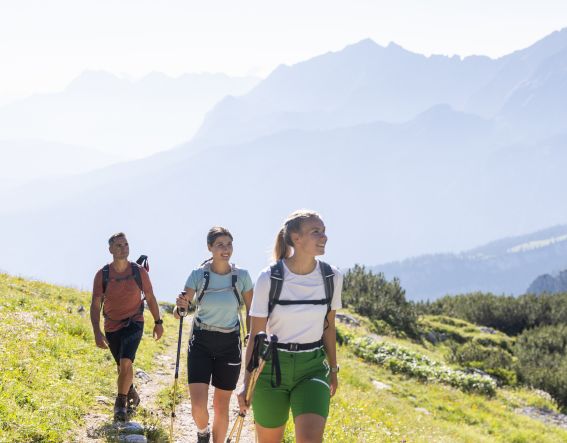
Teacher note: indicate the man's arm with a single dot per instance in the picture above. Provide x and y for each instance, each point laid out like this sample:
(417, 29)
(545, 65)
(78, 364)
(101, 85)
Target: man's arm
(154, 309)
(96, 305)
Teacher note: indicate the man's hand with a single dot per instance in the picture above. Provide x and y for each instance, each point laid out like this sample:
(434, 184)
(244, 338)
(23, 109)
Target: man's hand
(100, 340)
(158, 331)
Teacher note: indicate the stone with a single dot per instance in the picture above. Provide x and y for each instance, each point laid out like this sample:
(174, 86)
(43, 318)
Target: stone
(423, 411)
(103, 400)
(133, 438)
(348, 319)
(381, 386)
(142, 375)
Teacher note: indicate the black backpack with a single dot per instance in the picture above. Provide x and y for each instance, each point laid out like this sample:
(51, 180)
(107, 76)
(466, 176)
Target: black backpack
(142, 261)
(276, 285)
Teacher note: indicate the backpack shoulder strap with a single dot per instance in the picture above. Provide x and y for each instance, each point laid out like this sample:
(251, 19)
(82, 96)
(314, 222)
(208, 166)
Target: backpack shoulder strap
(276, 285)
(328, 281)
(105, 277)
(205, 283)
(234, 276)
(137, 276)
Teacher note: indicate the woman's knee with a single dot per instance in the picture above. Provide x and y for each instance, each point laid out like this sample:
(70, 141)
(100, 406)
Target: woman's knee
(221, 401)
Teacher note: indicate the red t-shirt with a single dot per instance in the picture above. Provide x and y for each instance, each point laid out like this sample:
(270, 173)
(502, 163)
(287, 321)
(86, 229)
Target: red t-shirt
(123, 297)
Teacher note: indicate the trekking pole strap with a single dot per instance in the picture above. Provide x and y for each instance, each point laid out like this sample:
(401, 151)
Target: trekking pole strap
(276, 370)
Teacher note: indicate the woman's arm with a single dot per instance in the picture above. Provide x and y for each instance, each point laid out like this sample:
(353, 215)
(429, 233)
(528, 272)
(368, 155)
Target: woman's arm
(248, 301)
(330, 343)
(258, 324)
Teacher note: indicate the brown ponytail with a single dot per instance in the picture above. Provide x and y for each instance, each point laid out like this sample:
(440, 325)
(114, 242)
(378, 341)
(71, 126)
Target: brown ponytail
(284, 244)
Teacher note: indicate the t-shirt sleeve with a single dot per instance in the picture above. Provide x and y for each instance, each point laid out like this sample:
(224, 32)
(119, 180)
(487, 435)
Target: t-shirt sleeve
(259, 307)
(146, 283)
(194, 279)
(337, 303)
(97, 284)
(246, 281)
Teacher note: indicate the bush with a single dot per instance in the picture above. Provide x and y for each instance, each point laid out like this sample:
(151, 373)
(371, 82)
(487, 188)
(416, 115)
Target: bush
(508, 314)
(412, 364)
(541, 360)
(492, 360)
(373, 296)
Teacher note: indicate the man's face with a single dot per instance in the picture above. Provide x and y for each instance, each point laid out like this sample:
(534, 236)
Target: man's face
(119, 248)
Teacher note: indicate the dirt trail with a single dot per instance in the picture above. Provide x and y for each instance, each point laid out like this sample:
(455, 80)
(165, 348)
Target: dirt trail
(149, 385)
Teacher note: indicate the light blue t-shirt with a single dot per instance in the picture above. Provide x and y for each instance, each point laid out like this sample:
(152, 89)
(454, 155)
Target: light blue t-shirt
(219, 309)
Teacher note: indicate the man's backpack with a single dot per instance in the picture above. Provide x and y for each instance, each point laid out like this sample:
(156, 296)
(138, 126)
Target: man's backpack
(276, 284)
(142, 261)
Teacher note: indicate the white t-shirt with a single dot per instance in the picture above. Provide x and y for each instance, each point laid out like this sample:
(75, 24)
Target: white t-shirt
(296, 323)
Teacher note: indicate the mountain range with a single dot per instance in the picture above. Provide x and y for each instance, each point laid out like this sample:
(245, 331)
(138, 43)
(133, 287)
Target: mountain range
(507, 266)
(128, 118)
(402, 154)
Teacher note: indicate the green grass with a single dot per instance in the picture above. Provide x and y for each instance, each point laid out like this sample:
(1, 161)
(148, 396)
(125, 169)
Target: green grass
(51, 370)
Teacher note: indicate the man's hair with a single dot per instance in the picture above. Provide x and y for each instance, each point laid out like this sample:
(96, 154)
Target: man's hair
(115, 236)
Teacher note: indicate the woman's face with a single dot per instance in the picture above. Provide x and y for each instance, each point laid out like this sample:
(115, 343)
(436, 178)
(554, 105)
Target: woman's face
(311, 238)
(221, 248)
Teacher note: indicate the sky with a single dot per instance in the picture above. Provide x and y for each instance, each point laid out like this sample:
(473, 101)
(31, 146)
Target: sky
(45, 44)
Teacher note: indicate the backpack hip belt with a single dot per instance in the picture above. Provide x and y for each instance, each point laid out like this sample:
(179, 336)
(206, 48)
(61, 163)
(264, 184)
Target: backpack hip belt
(199, 325)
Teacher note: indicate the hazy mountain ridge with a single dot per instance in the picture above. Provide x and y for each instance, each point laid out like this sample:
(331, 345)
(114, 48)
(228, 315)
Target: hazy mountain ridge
(442, 180)
(505, 266)
(130, 118)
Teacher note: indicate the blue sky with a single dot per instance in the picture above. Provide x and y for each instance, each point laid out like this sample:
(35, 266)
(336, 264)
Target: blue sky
(44, 44)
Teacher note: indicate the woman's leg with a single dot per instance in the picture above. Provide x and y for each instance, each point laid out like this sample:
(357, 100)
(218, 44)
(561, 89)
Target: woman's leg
(221, 400)
(199, 398)
(309, 428)
(269, 435)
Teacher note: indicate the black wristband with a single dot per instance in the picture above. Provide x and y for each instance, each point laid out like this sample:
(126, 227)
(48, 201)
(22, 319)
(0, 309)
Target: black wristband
(159, 322)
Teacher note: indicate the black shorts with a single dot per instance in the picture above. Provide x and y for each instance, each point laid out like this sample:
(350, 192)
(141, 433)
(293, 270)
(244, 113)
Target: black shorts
(124, 343)
(215, 355)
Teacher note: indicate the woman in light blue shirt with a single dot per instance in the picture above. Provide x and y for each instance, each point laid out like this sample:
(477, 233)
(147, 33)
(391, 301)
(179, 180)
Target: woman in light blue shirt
(219, 290)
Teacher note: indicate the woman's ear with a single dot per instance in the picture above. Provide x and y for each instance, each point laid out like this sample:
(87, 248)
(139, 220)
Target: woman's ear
(210, 248)
(295, 236)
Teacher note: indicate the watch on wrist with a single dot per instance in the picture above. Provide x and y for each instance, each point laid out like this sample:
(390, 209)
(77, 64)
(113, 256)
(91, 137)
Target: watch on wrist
(335, 369)
(159, 322)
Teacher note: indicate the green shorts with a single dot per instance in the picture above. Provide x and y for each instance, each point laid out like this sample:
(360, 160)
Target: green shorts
(304, 387)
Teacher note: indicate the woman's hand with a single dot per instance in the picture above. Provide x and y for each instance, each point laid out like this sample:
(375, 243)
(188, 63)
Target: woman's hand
(241, 396)
(334, 383)
(182, 302)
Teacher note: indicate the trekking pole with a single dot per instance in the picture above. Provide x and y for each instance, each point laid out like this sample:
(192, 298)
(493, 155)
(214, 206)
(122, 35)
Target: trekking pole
(181, 313)
(257, 363)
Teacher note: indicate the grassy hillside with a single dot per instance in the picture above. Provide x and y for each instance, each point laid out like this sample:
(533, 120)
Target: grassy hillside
(51, 372)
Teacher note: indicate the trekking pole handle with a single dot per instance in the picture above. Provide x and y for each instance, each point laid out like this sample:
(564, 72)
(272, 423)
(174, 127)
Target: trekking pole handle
(181, 311)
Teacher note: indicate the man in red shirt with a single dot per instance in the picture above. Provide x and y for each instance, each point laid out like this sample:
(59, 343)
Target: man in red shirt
(117, 292)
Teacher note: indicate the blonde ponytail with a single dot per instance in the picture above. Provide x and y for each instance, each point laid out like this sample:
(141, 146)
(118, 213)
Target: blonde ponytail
(280, 248)
(284, 244)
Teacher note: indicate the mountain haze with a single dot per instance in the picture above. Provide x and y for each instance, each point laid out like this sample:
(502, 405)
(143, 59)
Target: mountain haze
(505, 266)
(128, 118)
(381, 141)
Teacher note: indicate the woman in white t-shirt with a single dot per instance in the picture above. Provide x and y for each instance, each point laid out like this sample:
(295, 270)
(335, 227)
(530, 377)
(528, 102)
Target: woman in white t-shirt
(303, 318)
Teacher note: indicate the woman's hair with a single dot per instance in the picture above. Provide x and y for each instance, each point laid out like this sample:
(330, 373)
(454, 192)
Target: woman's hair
(213, 234)
(282, 248)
